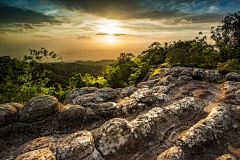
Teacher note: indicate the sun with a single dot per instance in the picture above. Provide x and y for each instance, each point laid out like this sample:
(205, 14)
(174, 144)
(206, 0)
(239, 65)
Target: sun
(110, 29)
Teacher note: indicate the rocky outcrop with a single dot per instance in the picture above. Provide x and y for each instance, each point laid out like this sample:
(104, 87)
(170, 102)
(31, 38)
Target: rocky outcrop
(9, 112)
(178, 114)
(44, 154)
(39, 108)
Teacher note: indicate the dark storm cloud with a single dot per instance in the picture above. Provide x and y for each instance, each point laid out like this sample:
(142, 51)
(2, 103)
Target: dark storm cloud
(9, 14)
(208, 17)
(139, 9)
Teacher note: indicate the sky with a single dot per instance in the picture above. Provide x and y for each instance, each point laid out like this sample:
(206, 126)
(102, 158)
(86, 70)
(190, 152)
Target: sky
(102, 29)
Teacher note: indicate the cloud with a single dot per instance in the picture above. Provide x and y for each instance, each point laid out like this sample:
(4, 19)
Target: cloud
(45, 23)
(139, 9)
(102, 34)
(24, 27)
(84, 38)
(107, 34)
(185, 21)
(42, 36)
(3, 32)
(117, 34)
(10, 14)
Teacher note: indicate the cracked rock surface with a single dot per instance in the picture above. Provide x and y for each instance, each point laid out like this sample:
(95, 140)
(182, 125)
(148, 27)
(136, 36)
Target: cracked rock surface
(179, 114)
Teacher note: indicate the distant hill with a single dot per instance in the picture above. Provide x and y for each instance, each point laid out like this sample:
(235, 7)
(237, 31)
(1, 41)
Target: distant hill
(62, 71)
(95, 63)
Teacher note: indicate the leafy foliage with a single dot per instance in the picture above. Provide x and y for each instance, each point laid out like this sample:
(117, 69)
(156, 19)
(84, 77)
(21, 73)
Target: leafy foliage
(23, 79)
(227, 37)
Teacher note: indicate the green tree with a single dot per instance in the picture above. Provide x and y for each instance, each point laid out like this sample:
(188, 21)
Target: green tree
(24, 79)
(227, 37)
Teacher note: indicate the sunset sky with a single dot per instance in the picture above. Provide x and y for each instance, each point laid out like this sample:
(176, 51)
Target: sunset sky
(102, 29)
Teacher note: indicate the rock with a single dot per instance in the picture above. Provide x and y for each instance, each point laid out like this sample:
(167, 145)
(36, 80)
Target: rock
(107, 110)
(176, 71)
(39, 108)
(71, 95)
(212, 75)
(226, 157)
(168, 78)
(145, 124)
(162, 83)
(144, 95)
(75, 146)
(39, 143)
(204, 94)
(8, 113)
(148, 84)
(187, 72)
(161, 89)
(113, 136)
(232, 76)
(184, 78)
(217, 122)
(162, 97)
(125, 92)
(174, 153)
(182, 94)
(105, 94)
(94, 156)
(85, 100)
(41, 154)
(198, 74)
(69, 119)
(128, 106)
(179, 107)
(78, 92)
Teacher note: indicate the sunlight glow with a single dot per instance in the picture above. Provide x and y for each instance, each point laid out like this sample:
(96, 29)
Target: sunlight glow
(110, 29)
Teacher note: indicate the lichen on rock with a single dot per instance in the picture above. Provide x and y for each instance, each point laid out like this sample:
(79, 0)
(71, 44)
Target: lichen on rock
(41, 154)
(218, 121)
(113, 135)
(173, 153)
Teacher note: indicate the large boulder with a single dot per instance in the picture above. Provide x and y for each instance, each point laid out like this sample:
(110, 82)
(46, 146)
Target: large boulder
(212, 75)
(85, 100)
(107, 110)
(68, 119)
(206, 130)
(105, 94)
(78, 92)
(39, 108)
(112, 137)
(41, 154)
(148, 84)
(144, 95)
(176, 71)
(198, 74)
(232, 76)
(188, 72)
(146, 125)
(125, 92)
(174, 153)
(128, 106)
(73, 146)
(9, 112)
